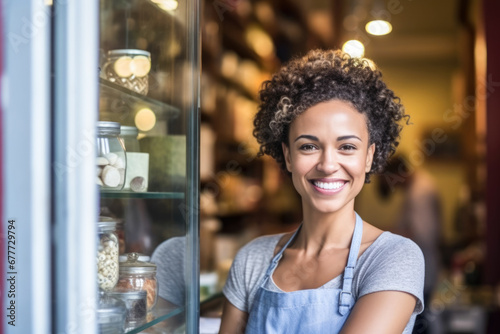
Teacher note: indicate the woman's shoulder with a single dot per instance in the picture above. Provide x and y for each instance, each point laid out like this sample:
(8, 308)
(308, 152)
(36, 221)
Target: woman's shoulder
(394, 248)
(250, 263)
(391, 240)
(260, 246)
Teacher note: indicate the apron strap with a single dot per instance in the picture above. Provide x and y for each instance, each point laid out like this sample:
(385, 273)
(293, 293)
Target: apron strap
(277, 257)
(345, 297)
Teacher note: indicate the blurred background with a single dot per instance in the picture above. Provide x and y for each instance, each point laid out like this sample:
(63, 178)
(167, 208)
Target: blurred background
(433, 55)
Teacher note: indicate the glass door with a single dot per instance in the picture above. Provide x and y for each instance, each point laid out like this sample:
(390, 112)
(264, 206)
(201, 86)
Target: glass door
(126, 78)
(148, 81)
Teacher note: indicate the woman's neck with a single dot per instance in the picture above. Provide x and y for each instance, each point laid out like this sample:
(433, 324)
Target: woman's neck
(325, 231)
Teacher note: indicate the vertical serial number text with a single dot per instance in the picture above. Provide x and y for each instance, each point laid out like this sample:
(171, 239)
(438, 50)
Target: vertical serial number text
(11, 273)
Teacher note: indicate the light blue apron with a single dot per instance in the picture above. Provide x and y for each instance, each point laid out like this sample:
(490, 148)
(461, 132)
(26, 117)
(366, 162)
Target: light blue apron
(305, 311)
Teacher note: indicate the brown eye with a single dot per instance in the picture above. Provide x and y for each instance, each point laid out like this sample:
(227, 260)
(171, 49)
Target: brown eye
(348, 147)
(307, 147)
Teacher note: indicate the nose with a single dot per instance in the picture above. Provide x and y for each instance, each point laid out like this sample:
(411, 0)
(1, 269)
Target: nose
(328, 162)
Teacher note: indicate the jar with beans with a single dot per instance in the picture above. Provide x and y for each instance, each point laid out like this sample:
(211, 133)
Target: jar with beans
(107, 254)
(138, 275)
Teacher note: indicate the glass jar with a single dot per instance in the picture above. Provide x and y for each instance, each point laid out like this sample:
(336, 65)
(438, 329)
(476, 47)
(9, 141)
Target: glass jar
(135, 302)
(120, 232)
(111, 314)
(111, 158)
(129, 135)
(128, 68)
(137, 275)
(137, 161)
(107, 254)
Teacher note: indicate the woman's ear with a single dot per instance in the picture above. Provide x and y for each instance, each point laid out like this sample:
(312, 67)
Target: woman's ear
(369, 157)
(286, 154)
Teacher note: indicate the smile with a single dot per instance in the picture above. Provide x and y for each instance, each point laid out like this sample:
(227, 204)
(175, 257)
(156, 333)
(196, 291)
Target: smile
(328, 185)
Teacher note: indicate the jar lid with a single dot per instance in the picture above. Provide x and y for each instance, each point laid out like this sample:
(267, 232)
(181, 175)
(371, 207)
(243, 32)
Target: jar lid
(129, 52)
(141, 257)
(134, 266)
(110, 309)
(131, 131)
(129, 294)
(108, 128)
(106, 224)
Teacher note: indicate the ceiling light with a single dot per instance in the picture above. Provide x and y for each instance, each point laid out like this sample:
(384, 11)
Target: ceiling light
(354, 48)
(378, 27)
(168, 5)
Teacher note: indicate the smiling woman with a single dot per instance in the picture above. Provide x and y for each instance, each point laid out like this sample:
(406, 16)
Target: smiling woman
(330, 122)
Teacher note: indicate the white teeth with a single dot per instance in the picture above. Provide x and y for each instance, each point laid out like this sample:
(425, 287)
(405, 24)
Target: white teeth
(328, 185)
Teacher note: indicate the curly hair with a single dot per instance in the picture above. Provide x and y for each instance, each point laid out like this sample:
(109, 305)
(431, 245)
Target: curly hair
(322, 76)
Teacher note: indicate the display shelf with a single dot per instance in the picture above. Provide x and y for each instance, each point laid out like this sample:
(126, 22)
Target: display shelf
(159, 316)
(237, 86)
(131, 100)
(235, 213)
(213, 70)
(235, 40)
(162, 315)
(147, 195)
(154, 5)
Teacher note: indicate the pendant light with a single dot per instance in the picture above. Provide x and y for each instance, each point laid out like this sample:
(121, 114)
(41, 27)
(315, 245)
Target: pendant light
(380, 24)
(354, 48)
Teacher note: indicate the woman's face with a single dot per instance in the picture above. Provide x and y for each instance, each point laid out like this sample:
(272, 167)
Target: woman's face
(328, 154)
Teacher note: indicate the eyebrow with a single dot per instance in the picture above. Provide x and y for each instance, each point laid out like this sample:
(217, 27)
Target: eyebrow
(348, 137)
(307, 137)
(341, 138)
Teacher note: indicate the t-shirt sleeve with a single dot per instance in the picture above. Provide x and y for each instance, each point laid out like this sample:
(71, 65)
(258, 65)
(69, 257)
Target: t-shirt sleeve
(398, 266)
(235, 290)
(247, 271)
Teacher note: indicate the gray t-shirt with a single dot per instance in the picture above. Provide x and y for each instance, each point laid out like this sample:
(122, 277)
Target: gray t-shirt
(391, 262)
(169, 259)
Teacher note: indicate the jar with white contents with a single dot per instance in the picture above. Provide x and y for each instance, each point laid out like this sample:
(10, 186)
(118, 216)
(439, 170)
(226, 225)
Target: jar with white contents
(107, 254)
(111, 158)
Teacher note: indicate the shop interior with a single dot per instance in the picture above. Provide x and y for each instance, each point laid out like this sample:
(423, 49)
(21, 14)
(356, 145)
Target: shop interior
(434, 58)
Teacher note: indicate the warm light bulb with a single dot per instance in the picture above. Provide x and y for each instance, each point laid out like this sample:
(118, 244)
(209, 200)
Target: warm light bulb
(168, 5)
(145, 119)
(354, 48)
(378, 27)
